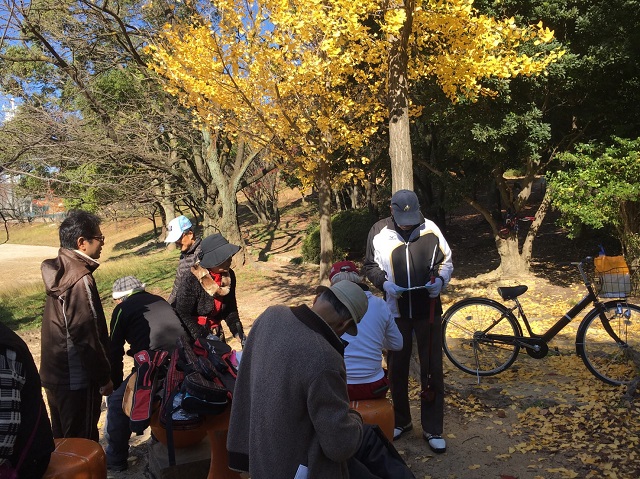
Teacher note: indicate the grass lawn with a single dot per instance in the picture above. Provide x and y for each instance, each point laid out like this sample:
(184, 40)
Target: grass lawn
(130, 249)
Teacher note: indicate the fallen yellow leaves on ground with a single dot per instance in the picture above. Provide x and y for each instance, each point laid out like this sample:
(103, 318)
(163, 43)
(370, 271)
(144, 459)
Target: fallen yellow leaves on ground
(561, 407)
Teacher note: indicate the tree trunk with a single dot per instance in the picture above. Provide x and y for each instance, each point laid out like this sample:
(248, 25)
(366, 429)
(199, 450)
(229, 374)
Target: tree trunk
(338, 200)
(354, 191)
(228, 224)
(399, 132)
(167, 209)
(512, 263)
(527, 246)
(326, 237)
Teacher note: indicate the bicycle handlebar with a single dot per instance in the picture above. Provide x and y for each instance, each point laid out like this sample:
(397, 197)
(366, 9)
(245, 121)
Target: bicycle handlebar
(580, 265)
(584, 260)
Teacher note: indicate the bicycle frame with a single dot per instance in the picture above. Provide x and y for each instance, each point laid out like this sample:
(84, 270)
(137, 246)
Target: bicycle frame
(548, 335)
(589, 299)
(482, 336)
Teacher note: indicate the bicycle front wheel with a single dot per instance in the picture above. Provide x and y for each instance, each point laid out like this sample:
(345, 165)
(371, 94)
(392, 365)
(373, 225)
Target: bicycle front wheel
(611, 361)
(478, 336)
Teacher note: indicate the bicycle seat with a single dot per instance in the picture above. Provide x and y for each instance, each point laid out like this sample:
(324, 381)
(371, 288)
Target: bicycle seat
(512, 292)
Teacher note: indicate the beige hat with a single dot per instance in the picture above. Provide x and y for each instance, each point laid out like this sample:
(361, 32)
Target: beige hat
(354, 299)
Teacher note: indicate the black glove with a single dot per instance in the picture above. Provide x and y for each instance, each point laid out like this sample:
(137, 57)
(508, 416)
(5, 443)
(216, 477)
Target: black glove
(242, 338)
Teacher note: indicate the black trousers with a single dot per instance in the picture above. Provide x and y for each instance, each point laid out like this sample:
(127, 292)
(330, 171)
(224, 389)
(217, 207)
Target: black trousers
(376, 458)
(431, 411)
(75, 413)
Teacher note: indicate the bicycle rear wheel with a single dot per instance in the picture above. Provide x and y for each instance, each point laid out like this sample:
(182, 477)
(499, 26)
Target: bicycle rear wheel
(608, 360)
(478, 336)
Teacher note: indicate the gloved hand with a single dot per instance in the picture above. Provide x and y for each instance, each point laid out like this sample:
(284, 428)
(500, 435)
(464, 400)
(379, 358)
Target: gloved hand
(392, 289)
(434, 288)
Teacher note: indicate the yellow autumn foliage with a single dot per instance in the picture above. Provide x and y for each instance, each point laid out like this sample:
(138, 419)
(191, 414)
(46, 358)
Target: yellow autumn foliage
(309, 78)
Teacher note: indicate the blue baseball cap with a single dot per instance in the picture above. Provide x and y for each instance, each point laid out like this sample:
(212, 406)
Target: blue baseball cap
(176, 228)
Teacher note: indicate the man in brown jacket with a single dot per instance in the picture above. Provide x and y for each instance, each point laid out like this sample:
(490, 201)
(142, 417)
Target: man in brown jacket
(74, 366)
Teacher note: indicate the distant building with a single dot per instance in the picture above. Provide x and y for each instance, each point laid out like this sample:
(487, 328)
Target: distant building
(48, 207)
(27, 208)
(8, 112)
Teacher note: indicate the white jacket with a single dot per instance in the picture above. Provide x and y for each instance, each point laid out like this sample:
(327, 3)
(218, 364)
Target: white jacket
(376, 331)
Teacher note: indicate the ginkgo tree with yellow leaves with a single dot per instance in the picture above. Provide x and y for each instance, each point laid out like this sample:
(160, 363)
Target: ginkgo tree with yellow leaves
(314, 80)
(450, 41)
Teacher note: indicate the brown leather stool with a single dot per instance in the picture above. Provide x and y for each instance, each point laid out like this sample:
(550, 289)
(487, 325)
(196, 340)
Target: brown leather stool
(377, 411)
(216, 428)
(77, 458)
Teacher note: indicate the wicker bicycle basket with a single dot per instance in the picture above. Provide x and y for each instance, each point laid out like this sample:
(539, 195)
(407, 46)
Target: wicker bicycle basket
(612, 278)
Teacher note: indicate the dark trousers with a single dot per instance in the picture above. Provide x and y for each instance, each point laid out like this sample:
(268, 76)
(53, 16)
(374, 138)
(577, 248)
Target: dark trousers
(75, 413)
(376, 458)
(117, 429)
(431, 412)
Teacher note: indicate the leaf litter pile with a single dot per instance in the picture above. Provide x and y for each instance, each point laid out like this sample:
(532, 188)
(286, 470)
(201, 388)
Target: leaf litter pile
(560, 406)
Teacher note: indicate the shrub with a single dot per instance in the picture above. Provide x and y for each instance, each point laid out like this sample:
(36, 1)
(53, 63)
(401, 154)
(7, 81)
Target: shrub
(350, 230)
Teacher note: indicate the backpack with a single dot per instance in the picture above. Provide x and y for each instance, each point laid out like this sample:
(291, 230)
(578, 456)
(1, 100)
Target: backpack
(223, 360)
(150, 366)
(192, 389)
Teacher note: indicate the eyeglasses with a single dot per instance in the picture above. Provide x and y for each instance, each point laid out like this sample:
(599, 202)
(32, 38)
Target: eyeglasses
(99, 238)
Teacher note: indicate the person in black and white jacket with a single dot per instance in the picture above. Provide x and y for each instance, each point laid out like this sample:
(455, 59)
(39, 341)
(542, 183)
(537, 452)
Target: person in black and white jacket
(409, 259)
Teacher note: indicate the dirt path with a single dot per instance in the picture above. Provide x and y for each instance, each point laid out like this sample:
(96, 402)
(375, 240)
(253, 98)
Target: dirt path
(20, 264)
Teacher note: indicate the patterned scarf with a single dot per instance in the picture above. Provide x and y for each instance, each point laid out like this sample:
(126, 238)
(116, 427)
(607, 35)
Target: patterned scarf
(216, 285)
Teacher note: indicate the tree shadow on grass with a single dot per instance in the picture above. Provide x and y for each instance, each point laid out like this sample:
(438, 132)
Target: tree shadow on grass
(136, 242)
(288, 283)
(7, 318)
(276, 239)
(140, 245)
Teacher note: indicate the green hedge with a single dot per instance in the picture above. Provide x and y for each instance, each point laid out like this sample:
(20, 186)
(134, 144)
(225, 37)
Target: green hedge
(350, 230)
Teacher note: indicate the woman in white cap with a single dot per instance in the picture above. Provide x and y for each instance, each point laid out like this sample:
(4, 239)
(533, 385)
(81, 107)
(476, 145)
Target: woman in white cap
(208, 295)
(377, 331)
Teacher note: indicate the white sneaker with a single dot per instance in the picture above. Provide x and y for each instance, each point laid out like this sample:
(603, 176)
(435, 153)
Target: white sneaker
(399, 431)
(436, 443)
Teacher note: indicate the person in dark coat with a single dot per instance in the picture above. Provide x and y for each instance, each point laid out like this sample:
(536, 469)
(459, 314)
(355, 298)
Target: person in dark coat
(207, 294)
(290, 414)
(26, 440)
(182, 233)
(146, 322)
(74, 368)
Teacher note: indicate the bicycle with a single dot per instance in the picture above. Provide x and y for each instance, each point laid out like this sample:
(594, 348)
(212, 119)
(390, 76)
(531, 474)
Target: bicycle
(483, 337)
(511, 224)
